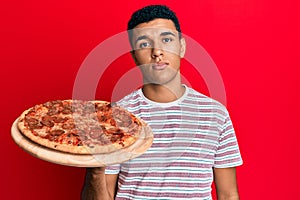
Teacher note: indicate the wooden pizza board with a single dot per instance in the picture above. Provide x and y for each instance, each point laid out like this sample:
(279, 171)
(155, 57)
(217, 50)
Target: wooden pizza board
(91, 160)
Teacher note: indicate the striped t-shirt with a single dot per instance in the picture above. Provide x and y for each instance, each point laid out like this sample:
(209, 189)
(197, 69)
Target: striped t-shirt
(191, 136)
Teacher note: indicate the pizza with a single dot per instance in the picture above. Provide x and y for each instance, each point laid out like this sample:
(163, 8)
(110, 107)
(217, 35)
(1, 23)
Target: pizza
(80, 127)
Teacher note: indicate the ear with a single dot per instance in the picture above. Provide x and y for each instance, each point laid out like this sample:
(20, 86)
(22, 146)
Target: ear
(182, 47)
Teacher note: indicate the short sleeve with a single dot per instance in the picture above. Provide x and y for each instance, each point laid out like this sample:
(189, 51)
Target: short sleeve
(112, 169)
(228, 153)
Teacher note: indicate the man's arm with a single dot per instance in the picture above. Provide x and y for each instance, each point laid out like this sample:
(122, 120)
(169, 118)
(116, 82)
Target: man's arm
(225, 182)
(98, 185)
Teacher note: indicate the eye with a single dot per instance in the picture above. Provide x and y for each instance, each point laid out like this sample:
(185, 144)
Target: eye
(167, 40)
(144, 45)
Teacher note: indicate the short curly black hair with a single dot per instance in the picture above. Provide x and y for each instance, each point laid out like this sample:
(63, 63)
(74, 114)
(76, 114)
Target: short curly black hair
(151, 12)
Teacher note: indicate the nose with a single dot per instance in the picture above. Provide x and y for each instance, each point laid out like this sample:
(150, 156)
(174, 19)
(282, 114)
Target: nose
(157, 51)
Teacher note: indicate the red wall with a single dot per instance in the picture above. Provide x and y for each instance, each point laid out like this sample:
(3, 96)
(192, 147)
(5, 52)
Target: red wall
(253, 43)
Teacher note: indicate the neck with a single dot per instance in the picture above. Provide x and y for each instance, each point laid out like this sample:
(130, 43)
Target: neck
(163, 93)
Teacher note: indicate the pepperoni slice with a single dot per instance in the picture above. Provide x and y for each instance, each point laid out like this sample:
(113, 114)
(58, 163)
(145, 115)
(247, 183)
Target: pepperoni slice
(68, 126)
(67, 110)
(47, 121)
(122, 118)
(52, 111)
(59, 119)
(57, 103)
(32, 121)
(57, 132)
(88, 108)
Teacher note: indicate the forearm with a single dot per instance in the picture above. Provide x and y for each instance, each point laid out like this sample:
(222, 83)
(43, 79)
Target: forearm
(226, 184)
(229, 197)
(95, 186)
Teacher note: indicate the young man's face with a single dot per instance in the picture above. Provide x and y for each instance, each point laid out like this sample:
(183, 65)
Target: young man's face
(157, 50)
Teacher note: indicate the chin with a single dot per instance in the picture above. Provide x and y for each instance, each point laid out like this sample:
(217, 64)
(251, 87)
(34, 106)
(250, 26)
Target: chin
(158, 82)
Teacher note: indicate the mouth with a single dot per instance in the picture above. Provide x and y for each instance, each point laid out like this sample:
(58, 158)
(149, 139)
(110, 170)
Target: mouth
(160, 65)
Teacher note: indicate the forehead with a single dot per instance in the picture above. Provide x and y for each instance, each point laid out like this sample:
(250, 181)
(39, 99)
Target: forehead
(154, 27)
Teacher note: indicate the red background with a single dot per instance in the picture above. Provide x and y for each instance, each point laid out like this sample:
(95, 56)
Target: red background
(254, 44)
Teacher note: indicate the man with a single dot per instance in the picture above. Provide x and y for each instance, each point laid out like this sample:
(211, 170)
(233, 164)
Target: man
(194, 141)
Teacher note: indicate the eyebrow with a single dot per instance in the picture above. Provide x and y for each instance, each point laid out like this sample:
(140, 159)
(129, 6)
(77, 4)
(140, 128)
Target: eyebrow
(167, 33)
(141, 38)
(146, 37)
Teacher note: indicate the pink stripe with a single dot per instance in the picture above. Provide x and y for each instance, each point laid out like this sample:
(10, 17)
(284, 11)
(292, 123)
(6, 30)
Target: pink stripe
(182, 144)
(220, 155)
(166, 184)
(207, 136)
(168, 174)
(174, 164)
(229, 127)
(232, 161)
(165, 194)
(191, 118)
(177, 135)
(230, 144)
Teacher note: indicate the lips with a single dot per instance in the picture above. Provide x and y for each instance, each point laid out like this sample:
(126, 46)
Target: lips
(159, 66)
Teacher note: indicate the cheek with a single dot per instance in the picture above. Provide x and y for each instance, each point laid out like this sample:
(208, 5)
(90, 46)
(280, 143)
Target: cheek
(174, 59)
(142, 57)
(173, 48)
